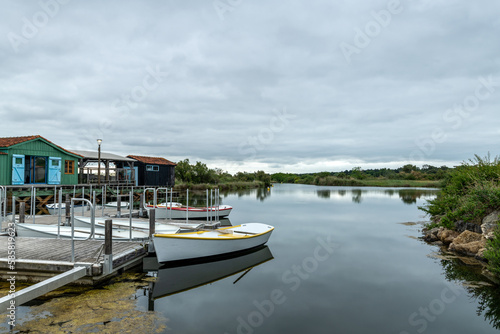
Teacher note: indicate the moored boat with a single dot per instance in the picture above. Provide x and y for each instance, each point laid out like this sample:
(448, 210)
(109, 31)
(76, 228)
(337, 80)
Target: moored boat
(54, 208)
(136, 225)
(51, 231)
(200, 244)
(123, 205)
(179, 211)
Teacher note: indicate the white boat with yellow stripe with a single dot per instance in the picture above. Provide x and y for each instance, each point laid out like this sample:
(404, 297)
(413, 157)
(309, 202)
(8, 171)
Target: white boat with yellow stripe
(200, 244)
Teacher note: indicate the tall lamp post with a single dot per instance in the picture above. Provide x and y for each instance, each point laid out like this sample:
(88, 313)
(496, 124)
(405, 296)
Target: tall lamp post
(99, 141)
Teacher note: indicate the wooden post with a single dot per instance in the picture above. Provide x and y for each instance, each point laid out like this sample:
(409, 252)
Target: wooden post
(22, 209)
(141, 200)
(152, 221)
(67, 203)
(108, 246)
(118, 206)
(108, 233)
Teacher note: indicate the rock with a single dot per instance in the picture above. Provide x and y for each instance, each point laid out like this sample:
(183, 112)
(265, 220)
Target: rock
(462, 226)
(470, 248)
(480, 255)
(489, 223)
(466, 237)
(431, 235)
(447, 236)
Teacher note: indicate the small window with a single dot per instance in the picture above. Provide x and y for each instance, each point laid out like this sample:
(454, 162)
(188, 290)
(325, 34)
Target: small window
(55, 163)
(152, 168)
(19, 161)
(69, 167)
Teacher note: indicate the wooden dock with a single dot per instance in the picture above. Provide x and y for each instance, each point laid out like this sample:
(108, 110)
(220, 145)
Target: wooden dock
(39, 258)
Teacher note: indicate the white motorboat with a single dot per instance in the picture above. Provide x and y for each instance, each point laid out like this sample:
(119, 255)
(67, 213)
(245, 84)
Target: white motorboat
(50, 231)
(123, 205)
(179, 211)
(184, 246)
(136, 225)
(54, 208)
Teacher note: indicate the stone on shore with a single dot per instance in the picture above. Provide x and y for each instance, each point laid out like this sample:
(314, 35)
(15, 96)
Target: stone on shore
(489, 223)
(468, 243)
(447, 236)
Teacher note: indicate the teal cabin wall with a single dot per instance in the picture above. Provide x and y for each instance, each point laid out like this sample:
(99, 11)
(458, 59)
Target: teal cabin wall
(37, 147)
(4, 169)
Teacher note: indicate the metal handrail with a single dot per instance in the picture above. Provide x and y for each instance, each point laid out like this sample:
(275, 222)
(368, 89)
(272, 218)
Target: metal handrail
(92, 224)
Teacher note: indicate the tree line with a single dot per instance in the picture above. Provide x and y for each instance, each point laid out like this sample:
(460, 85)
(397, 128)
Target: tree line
(199, 173)
(407, 172)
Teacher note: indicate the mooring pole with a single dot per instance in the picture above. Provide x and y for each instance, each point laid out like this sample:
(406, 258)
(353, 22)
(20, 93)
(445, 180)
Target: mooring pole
(152, 221)
(67, 203)
(108, 246)
(22, 208)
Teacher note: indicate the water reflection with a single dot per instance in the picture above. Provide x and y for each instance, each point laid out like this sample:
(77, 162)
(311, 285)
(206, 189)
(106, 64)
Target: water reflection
(486, 294)
(173, 279)
(407, 195)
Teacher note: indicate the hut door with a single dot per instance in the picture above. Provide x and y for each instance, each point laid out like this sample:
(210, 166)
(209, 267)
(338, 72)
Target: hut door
(17, 169)
(54, 171)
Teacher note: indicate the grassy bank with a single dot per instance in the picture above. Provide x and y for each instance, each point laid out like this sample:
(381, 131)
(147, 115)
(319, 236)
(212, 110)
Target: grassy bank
(470, 193)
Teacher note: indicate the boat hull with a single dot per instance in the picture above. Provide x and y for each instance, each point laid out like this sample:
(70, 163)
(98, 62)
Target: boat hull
(185, 246)
(177, 212)
(125, 224)
(50, 231)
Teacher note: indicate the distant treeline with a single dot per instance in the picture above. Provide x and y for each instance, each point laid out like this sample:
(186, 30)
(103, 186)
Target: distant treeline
(357, 176)
(187, 174)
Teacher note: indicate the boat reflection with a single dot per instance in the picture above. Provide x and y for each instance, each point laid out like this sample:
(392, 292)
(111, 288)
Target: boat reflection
(407, 195)
(176, 278)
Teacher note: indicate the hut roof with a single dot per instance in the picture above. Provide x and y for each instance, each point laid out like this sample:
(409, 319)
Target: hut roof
(11, 141)
(152, 160)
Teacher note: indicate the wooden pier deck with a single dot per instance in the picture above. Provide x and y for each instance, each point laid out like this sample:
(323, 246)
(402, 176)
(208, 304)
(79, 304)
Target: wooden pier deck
(41, 258)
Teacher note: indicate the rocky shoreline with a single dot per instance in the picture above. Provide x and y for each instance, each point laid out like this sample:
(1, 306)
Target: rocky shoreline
(467, 239)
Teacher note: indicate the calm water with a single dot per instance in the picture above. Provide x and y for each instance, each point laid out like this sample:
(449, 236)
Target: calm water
(343, 261)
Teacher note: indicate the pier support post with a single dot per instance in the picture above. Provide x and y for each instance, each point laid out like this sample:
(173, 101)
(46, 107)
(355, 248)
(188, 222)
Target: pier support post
(118, 206)
(141, 200)
(67, 204)
(22, 209)
(152, 221)
(108, 247)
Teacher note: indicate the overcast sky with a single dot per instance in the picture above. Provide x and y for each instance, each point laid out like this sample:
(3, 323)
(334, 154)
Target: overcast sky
(298, 86)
